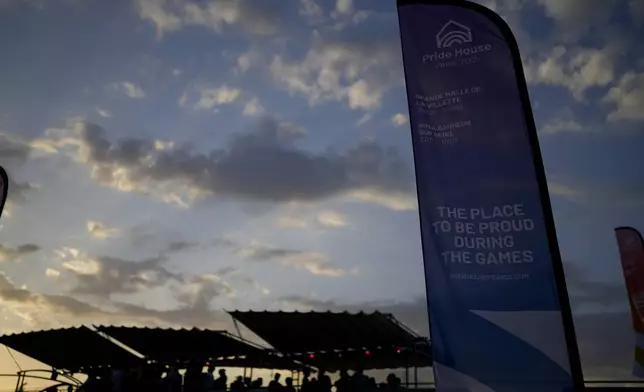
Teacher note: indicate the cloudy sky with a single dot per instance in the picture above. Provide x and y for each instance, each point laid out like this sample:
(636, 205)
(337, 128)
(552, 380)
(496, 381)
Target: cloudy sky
(173, 158)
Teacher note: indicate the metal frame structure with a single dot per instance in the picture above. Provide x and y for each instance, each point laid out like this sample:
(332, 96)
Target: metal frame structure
(54, 375)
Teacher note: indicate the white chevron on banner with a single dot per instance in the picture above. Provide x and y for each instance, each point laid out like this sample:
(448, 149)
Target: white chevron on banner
(541, 329)
(451, 379)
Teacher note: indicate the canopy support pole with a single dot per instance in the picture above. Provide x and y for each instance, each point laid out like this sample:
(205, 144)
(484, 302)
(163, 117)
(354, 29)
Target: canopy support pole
(406, 376)
(19, 382)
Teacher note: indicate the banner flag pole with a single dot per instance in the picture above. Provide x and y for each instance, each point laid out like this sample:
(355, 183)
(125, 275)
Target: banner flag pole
(4, 188)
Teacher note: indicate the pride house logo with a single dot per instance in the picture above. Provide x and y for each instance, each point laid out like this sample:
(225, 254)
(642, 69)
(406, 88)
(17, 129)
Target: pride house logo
(453, 33)
(459, 36)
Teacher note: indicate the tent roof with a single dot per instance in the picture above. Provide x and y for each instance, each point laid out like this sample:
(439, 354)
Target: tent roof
(295, 332)
(181, 345)
(340, 340)
(70, 348)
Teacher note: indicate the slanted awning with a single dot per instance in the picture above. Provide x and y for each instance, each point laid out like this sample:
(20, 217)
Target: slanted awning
(295, 332)
(340, 340)
(183, 345)
(70, 349)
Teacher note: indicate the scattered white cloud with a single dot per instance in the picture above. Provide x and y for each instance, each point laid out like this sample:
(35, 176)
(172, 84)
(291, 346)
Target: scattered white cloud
(628, 98)
(83, 267)
(52, 273)
(332, 219)
(399, 119)
(397, 201)
(200, 291)
(168, 15)
(183, 100)
(561, 189)
(103, 276)
(253, 108)
(243, 64)
(248, 59)
(344, 6)
(363, 95)
(211, 98)
(43, 311)
(130, 89)
(561, 125)
(100, 230)
(577, 70)
(15, 255)
(310, 9)
(177, 72)
(292, 222)
(624, 193)
(279, 172)
(103, 113)
(315, 263)
(364, 119)
(576, 17)
(358, 72)
(313, 220)
(162, 145)
(156, 12)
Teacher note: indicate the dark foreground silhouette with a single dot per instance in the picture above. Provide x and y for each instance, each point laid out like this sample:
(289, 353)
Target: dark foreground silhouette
(195, 379)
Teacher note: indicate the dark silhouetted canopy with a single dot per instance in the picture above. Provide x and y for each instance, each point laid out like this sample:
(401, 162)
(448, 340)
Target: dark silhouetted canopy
(70, 349)
(340, 340)
(164, 345)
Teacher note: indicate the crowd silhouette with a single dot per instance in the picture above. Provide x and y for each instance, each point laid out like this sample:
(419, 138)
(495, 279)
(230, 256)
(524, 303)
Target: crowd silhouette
(160, 379)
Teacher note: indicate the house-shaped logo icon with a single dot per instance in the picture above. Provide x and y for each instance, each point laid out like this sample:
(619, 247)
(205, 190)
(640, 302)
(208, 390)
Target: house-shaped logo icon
(453, 33)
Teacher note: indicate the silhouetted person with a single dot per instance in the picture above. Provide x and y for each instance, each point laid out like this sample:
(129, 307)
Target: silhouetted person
(275, 386)
(358, 381)
(238, 385)
(221, 383)
(133, 380)
(305, 386)
(116, 380)
(173, 380)
(150, 378)
(289, 385)
(313, 385)
(393, 382)
(208, 379)
(324, 382)
(192, 378)
(247, 383)
(257, 384)
(371, 384)
(343, 384)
